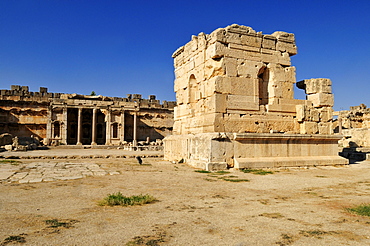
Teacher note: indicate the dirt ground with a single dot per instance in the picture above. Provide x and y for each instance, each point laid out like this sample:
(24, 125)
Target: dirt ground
(295, 206)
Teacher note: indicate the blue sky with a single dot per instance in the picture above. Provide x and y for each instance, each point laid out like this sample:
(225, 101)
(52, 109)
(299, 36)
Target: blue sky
(123, 47)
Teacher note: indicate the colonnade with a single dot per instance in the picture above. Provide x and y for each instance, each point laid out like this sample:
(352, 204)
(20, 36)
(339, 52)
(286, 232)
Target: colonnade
(114, 135)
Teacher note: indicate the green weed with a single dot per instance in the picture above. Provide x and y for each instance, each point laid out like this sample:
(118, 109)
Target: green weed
(12, 162)
(221, 172)
(120, 200)
(236, 180)
(55, 223)
(202, 171)
(257, 171)
(18, 239)
(363, 210)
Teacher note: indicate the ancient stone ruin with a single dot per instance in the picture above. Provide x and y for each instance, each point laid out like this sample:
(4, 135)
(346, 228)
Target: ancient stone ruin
(354, 125)
(236, 106)
(72, 119)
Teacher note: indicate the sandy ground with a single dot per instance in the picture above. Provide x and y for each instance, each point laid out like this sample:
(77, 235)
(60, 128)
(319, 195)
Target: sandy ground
(288, 207)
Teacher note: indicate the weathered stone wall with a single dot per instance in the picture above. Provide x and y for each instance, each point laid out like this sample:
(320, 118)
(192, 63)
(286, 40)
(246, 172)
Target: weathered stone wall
(239, 81)
(54, 116)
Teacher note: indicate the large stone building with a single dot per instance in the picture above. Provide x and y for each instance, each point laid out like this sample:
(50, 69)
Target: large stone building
(236, 106)
(73, 119)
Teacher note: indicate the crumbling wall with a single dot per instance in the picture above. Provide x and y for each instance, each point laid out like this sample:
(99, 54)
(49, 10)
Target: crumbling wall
(316, 115)
(235, 104)
(354, 124)
(239, 80)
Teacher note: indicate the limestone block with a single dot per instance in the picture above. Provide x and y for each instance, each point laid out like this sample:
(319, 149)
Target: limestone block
(182, 110)
(216, 103)
(276, 72)
(216, 84)
(284, 59)
(233, 38)
(309, 127)
(241, 54)
(313, 86)
(290, 48)
(252, 40)
(217, 35)
(190, 65)
(321, 99)
(290, 74)
(215, 50)
(240, 29)
(287, 108)
(221, 148)
(269, 42)
(249, 69)
(291, 101)
(244, 54)
(286, 42)
(244, 47)
(178, 52)
(269, 56)
(199, 59)
(213, 68)
(229, 65)
(222, 85)
(326, 114)
(300, 110)
(219, 123)
(314, 114)
(284, 36)
(287, 90)
(325, 128)
(242, 102)
(243, 86)
(274, 90)
(202, 41)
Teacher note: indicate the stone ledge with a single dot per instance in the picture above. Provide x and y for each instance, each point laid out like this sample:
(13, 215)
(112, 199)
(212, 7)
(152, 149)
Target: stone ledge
(276, 136)
(293, 161)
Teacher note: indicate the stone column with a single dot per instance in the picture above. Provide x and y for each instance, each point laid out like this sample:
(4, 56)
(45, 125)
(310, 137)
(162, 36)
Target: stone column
(93, 133)
(108, 127)
(340, 124)
(122, 135)
(64, 126)
(49, 126)
(79, 126)
(134, 141)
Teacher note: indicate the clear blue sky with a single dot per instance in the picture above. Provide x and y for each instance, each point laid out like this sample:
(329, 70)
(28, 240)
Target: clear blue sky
(121, 47)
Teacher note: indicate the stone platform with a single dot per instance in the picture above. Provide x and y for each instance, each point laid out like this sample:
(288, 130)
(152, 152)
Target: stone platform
(214, 151)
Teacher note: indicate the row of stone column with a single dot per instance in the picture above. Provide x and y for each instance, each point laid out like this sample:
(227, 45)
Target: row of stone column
(94, 127)
(108, 128)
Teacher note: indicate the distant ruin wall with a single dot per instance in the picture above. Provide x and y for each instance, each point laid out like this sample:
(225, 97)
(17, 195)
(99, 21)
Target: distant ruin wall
(54, 117)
